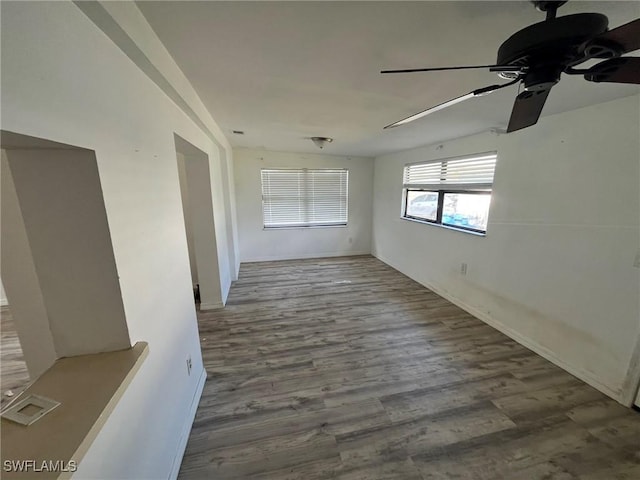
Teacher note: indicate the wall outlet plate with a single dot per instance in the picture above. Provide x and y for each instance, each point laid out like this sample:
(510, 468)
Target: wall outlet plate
(29, 409)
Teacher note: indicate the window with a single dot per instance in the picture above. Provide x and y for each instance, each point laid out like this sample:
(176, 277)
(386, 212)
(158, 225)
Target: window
(304, 197)
(455, 192)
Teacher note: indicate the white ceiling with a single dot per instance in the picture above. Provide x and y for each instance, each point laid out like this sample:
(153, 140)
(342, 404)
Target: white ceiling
(285, 71)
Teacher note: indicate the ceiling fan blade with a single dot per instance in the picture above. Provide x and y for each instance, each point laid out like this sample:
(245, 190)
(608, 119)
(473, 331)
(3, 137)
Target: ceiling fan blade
(428, 111)
(492, 68)
(616, 70)
(476, 93)
(627, 36)
(527, 109)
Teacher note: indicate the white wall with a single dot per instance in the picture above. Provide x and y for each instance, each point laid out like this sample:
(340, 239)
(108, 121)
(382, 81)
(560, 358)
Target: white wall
(63, 214)
(186, 210)
(64, 79)
(555, 269)
(258, 244)
(230, 212)
(19, 270)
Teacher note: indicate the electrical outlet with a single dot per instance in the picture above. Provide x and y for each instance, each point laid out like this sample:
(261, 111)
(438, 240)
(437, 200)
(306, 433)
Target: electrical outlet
(463, 268)
(189, 365)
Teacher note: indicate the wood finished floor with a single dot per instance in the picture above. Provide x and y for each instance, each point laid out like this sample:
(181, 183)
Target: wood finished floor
(13, 369)
(344, 368)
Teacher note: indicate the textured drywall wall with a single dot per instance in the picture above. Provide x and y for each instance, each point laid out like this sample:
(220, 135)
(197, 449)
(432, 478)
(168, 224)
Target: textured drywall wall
(64, 79)
(556, 268)
(258, 244)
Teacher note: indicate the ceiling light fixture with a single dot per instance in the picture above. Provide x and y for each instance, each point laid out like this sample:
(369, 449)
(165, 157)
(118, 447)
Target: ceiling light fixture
(320, 142)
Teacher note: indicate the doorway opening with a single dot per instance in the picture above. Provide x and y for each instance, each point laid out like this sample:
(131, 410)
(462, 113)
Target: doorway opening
(197, 205)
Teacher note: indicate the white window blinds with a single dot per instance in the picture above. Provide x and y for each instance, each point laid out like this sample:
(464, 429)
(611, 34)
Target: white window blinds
(460, 173)
(304, 198)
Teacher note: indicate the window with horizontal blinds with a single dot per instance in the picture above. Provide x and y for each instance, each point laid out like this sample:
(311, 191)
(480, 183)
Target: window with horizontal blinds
(462, 173)
(304, 197)
(455, 192)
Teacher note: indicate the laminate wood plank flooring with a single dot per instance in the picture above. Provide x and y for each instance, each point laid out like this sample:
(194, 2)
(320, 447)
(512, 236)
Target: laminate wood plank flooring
(13, 369)
(344, 368)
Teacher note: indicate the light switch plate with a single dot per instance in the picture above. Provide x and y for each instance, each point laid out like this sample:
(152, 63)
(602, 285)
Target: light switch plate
(29, 409)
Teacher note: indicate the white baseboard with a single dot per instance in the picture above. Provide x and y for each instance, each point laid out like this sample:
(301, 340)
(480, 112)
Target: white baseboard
(275, 258)
(186, 430)
(4, 302)
(211, 306)
(532, 345)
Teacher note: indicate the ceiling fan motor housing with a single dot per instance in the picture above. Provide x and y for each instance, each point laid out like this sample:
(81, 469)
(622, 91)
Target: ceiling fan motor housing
(553, 44)
(542, 78)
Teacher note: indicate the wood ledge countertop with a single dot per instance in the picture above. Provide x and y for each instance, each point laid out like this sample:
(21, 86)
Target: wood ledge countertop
(88, 388)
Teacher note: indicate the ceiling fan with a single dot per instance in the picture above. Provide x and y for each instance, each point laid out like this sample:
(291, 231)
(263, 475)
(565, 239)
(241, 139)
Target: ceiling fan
(539, 53)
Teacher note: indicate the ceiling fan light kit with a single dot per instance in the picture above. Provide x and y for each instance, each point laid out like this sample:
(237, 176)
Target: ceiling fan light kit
(538, 54)
(320, 142)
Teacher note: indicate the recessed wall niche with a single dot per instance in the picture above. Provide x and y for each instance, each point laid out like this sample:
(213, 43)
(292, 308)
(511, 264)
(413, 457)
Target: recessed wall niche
(58, 266)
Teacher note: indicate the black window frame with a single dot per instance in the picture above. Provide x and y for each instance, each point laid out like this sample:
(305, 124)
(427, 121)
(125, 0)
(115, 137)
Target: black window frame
(473, 177)
(440, 208)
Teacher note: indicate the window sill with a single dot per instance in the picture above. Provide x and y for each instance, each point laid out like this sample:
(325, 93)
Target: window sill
(447, 227)
(88, 388)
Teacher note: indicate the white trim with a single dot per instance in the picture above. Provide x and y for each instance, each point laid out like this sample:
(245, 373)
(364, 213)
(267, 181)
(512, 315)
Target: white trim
(274, 258)
(211, 306)
(186, 430)
(521, 339)
(4, 302)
